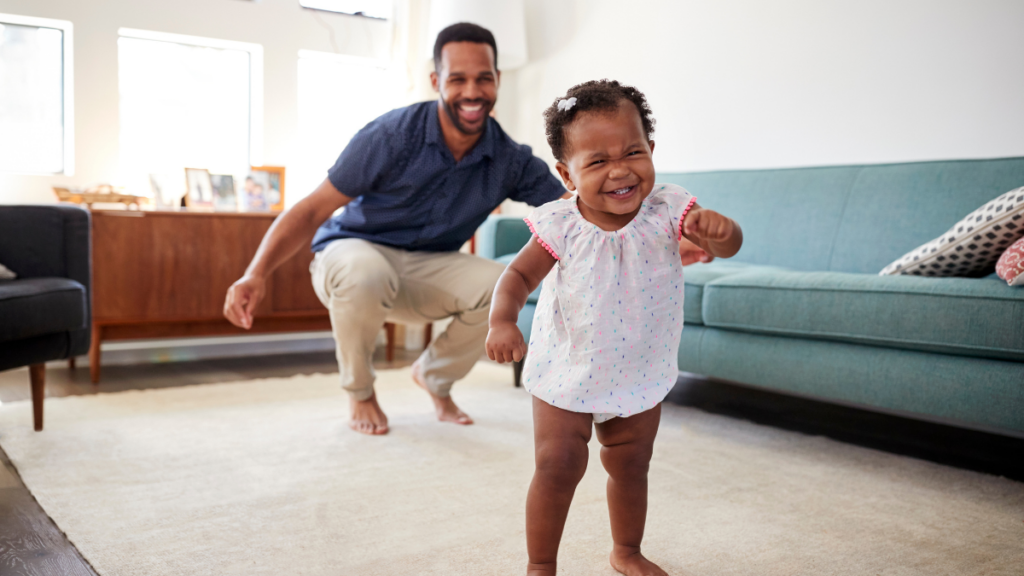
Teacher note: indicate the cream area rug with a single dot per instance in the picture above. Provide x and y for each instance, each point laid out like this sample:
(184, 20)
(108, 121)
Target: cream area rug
(264, 477)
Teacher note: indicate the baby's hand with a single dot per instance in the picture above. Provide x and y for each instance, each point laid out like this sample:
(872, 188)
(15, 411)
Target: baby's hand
(505, 343)
(708, 225)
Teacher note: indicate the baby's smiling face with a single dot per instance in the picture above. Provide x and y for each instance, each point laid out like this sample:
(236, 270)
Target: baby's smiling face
(608, 165)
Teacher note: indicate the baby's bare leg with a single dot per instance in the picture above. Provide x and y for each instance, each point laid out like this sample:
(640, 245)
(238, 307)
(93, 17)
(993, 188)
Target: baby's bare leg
(627, 444)
(560, 444)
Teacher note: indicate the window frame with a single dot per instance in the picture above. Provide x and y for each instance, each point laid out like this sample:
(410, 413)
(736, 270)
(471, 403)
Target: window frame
(67, 82)
(255, 76)
(390, 16)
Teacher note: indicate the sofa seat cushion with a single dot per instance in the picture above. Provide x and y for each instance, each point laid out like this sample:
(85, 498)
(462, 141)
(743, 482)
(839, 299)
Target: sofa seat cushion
(963, 316)
(696, 276)
(37, 306)
(535, 295)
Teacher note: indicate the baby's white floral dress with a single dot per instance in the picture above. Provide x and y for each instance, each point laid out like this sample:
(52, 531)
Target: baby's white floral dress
(606, 331)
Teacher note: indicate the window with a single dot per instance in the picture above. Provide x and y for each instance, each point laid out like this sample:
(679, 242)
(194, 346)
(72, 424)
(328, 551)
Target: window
(188, 102)
(368, 8)
(338, 95)
(36, 96)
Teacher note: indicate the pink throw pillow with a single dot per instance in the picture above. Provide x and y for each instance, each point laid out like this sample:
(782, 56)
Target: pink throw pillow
(1011, 264)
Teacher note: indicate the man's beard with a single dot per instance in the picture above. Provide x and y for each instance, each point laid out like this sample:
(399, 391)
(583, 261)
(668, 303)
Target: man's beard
(453, 115)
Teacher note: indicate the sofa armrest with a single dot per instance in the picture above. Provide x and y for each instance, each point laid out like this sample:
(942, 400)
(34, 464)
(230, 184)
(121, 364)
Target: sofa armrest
(500, 235)
(52, 241)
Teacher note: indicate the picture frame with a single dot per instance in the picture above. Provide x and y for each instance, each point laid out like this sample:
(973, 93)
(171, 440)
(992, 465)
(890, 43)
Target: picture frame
(199, 189)
(167, 191)
(263, 189)
(225, 194)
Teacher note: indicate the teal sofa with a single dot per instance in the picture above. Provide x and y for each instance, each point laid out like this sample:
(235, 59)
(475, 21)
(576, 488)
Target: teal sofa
(801, 309)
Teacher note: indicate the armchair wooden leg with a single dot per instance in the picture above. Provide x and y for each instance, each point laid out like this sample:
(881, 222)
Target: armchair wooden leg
(71, 363)
(428, 335)
(37, 374)
(517, 369)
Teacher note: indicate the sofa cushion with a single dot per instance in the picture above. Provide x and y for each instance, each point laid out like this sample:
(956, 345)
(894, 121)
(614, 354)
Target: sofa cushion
(892, 208)
(971, 247)
(37, 306)
(789, 217)
(847, 218)
(696, 276)
(1010, 266)
(968, 317)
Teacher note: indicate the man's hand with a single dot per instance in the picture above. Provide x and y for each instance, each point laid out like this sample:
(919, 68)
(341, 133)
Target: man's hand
(690, 253)
(505, 343)
(290, 231)
(242, 299)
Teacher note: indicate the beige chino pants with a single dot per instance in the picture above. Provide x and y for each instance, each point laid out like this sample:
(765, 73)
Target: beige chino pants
(364, 284)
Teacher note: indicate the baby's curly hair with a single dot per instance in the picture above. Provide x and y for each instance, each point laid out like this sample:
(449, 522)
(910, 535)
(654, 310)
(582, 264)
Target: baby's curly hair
(602, 95)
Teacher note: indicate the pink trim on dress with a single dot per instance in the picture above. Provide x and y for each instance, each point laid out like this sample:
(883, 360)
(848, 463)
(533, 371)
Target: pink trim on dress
(537, 236)
(693, 200)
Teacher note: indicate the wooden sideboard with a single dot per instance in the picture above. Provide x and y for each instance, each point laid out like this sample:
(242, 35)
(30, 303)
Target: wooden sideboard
(165, 275)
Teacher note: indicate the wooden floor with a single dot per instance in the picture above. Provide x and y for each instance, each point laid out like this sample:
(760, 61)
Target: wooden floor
(30, 543)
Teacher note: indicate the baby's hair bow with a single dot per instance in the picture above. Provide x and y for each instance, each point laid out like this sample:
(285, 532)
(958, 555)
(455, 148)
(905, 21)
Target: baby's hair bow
(565, 105)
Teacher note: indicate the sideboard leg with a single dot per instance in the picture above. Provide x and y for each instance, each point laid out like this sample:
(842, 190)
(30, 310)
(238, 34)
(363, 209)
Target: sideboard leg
(94, 353)
(389, 349)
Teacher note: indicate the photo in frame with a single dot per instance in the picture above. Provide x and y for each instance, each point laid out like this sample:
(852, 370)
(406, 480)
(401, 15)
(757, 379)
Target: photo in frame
(199, 189)
(263, 189)
(225, 197)
(167, 191)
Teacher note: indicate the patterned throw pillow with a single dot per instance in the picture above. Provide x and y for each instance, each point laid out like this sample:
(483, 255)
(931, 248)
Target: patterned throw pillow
(1011, 264)
(972, 246)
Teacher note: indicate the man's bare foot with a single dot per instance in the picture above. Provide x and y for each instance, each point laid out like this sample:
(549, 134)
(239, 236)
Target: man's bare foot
(446, 409)
(631, 562)
(367, 417)
(540, 569)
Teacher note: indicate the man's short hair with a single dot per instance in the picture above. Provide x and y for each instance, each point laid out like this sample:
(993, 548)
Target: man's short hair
(463, 32)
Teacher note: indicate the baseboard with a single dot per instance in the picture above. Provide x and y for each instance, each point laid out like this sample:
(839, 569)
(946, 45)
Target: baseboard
(119, 353)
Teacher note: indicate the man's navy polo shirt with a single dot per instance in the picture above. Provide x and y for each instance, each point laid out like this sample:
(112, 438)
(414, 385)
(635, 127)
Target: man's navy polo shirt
(410, 193)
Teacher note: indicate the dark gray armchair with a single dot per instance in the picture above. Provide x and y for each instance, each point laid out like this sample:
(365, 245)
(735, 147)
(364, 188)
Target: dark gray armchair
(45, 313)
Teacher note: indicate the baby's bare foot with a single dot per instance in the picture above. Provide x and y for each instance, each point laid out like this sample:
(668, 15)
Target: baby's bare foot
(446, 409)
(367, 417)
(629, 561)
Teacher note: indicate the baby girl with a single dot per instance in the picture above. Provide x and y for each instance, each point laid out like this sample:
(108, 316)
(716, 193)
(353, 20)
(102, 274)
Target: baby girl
(602, 354)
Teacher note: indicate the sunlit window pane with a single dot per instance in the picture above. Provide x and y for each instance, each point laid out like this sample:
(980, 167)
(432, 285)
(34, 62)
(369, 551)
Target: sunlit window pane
(337, 97)
(371, 8)
(182, 106)
(31, 99)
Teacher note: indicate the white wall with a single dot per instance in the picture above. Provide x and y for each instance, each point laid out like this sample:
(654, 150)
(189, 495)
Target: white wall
(281, 26)
(759, 83)
(733, 83)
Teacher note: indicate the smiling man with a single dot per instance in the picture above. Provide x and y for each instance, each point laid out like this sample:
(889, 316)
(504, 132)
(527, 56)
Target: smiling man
(415, 183)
